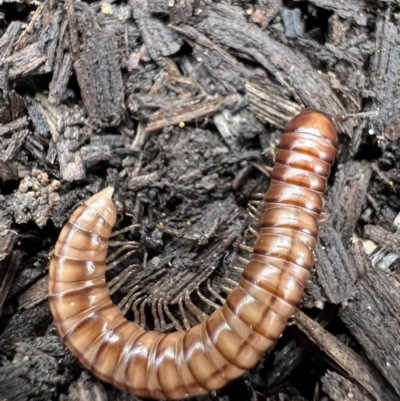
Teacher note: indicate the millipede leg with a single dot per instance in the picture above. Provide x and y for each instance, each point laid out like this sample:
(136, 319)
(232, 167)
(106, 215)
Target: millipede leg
(254, 232)
(243, 260)
(116, 283)
(206, 300)
(183, 313)
(246, 248)
(252, 216)
(258, 195)
(126, 302)
(238, 269)
(255, 202)
(112, 256)
(254, 211)
(157, 325)
(112, 265)
(163, 324)
(171, 317)
(200, 315)
(124, 230)
(324, 217)
(270, 150)
(131, 244)
(228, 290)
(143, 313)
(136, 312)
(215, 293)
(230, 281)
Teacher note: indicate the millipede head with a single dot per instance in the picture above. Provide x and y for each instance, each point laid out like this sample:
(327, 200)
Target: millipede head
(315, 122)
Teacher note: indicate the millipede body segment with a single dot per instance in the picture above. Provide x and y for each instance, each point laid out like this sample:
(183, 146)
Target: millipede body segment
(234, 338)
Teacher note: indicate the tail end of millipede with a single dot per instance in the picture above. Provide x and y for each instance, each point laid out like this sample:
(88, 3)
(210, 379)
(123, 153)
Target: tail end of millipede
(103, 204)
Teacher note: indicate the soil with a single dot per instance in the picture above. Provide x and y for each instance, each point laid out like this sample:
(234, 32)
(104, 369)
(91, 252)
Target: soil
(180, 105)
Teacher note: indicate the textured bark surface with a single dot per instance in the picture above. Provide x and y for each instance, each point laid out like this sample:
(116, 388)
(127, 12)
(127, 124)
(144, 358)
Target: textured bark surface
(180, 106)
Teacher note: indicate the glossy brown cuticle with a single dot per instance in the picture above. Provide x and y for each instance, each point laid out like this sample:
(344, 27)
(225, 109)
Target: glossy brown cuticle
(234, 338)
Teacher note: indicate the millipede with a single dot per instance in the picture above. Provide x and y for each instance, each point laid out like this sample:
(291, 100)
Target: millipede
(234, 337)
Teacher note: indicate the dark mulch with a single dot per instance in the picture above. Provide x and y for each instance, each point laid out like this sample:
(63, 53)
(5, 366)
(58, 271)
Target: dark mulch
(180, 106)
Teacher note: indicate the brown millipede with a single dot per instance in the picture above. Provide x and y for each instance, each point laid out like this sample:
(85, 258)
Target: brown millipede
(234, 338)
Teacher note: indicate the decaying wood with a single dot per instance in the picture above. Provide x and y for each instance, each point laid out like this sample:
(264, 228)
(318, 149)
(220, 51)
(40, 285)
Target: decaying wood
(347, 198)
(9, 261)
(69, 130)
(13, 385)
(85, 390)
(336, 274)
(96, 64)
(218, 62)
(265, 11)
(385, 75)
(340, 389)
(291, 70)
(354, 365)
(372, 317)
(8, 171)
(266, 102)
(9, 264)
(186, 113)
(180, 104)
(62, 69)
(389, 241)
(352, 9)
(160, 40)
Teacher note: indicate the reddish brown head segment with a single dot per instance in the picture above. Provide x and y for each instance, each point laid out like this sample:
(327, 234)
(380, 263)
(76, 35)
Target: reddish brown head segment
(234, 338)
(314, 122)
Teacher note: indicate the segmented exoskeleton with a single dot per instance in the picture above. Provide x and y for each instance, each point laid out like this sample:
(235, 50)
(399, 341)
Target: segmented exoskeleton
(234, 338)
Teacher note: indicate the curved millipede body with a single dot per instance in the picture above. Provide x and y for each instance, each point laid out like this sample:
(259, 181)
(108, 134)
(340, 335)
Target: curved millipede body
(234, 338)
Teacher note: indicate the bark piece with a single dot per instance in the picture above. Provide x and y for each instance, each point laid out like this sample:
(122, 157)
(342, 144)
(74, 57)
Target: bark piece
(340, 389)
(69, 130)
(34, 51)
(293, 22)
(353, 364)
(233, 127)
(270, 102)
(160, 40)
(292, 70)
(8, 171)
(35, 294)
(9, 263)
(96, 64)
(265, 11)
(336, 272)
(35, 370)
(10, 146)
(355, 50)
(347, 9)
(8, 40)
(218, 62)
(7, 239)
(85, 390)
(347, 197)
(385, 76)
(13, 386)
(373, 318)
(101, 148)
(15, 125)
(386, 239)
(182, 112)
(62, 68)
(35, 198)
